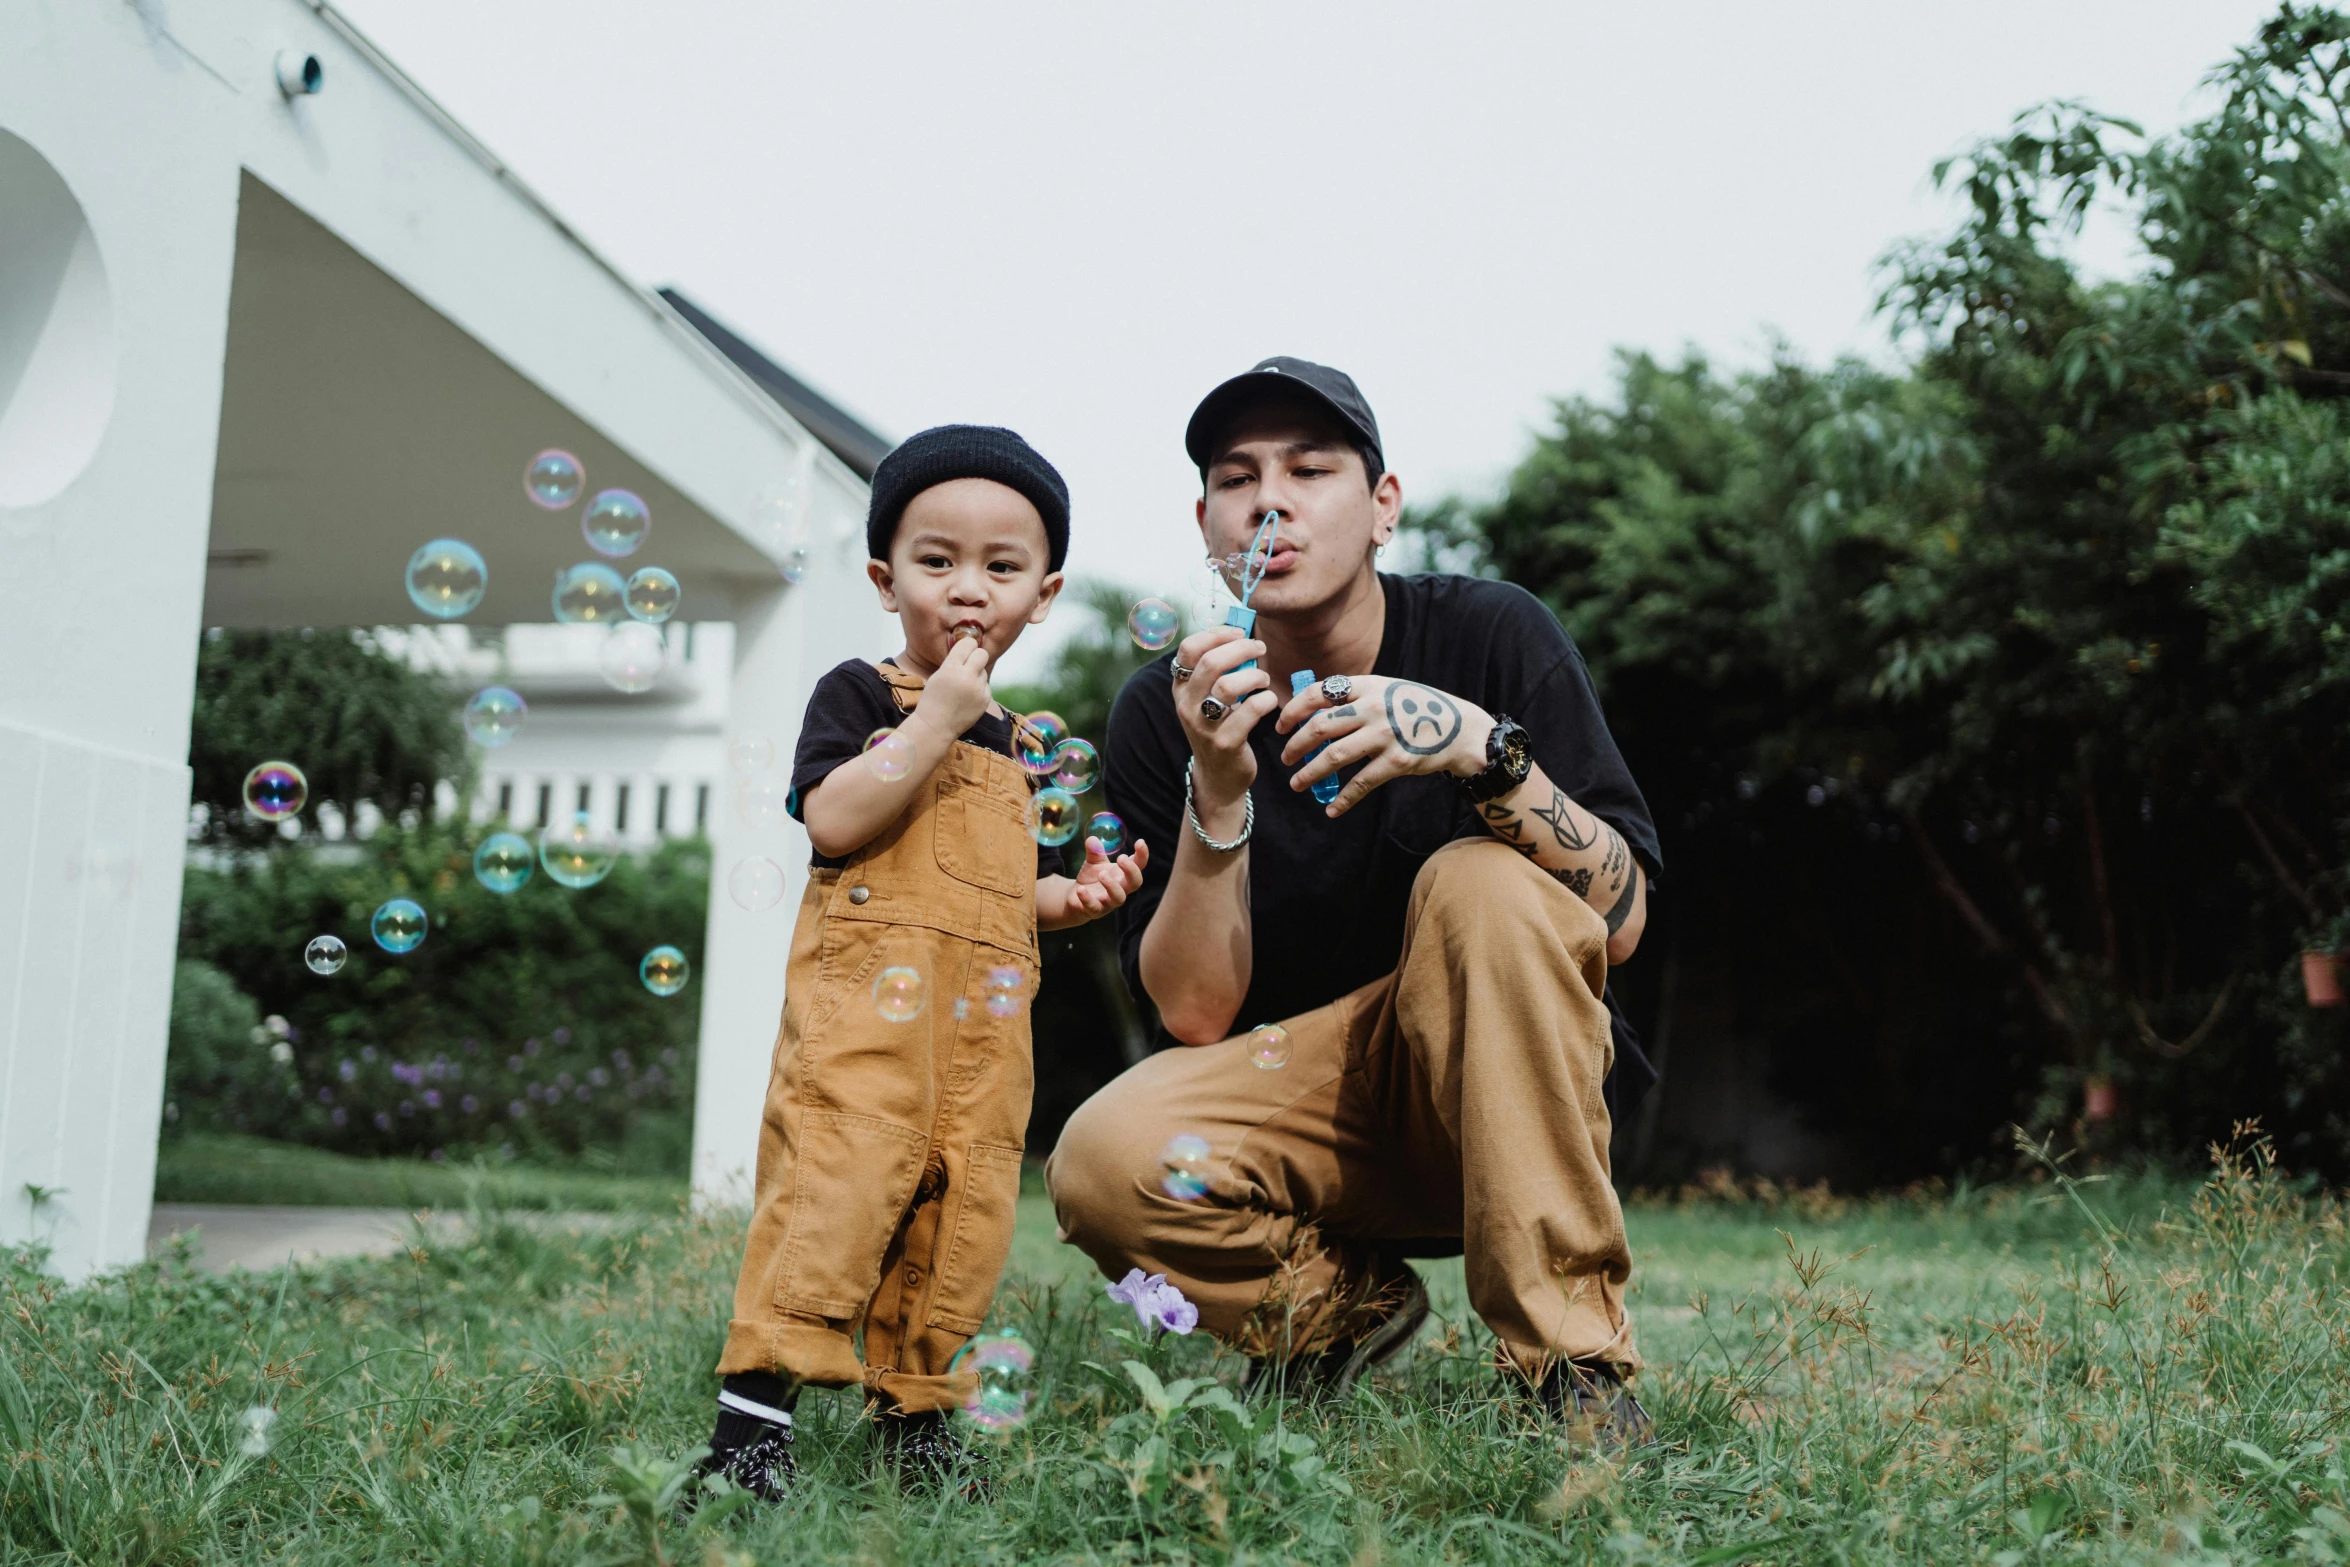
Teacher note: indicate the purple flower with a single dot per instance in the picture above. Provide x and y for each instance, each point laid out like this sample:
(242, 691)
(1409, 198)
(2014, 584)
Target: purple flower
(432, 1099)
(563, 1036)
(383, 1122)
(347, 1071)
(514, 1063)
(326, 1096)
(515, 1109)
(469, 1104)
(341, 1115)
(1157, 1304)
(530, 1047)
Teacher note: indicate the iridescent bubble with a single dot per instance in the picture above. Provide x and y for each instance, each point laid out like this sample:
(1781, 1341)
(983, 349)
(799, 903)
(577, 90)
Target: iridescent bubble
(590, 594)
(1109, 831)
(632, 657)
(446, 578)
(652, 594)
(1005, 985)
(1077, 766)
(664, 971)
(962, 1008)
(576, 852)
(1183, 1167)
(504, 862)
(889, 754)
(763, 802)
(615, 522)
(256, 1423)
(1152, 624)
(274, 791)
(554, 479)
(756, 884)
(398, 925)
(898, 994)
(494, 716)
(794, 565)
(1268, 1047)
(750, 753)
(1036, 742)
(1004, 1368)
(1053, 815)
(326, 954)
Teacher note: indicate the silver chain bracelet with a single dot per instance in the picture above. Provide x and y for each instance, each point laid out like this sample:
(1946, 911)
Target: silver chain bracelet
(1248, 819)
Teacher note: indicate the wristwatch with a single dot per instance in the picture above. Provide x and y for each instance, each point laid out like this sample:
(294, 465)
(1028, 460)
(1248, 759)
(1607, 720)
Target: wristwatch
(1509, 757)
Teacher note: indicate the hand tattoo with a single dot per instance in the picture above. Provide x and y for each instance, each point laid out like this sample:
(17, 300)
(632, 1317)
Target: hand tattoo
(1562, 826)
(1425, 721)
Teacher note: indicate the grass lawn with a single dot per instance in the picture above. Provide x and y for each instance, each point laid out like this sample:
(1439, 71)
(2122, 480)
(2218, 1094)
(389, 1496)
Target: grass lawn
(219, 1167)
(2001, 1376)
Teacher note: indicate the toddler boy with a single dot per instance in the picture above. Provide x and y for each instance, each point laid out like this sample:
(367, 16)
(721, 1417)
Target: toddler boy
(889, 1163)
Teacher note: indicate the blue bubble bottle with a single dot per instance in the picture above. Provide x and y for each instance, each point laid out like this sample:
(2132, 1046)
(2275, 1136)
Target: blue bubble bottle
(1324, 790)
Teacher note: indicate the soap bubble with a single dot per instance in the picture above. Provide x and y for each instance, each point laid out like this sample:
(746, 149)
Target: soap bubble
(962, 1008)
(1268, 1047)
(1109, 831)
(664, 971)
(1005, 986)
(398, 926)
(652, 594)
(632, 657)
(504, 861)
(1077, 766)
(750, 753)
(756, 884)
(1036, 741)
(1152, 624)
(794, 564)
(1183, 1167)
(615, 523)
(578, 853)
(1053, 815)
(889, 754)
(897, 994)
(274, 791)
(553, 479)
(1005, 1367)
(763, 802)
(495, 716)
(589, 594)
(326, 954)
(255, 1423)
(446, 578)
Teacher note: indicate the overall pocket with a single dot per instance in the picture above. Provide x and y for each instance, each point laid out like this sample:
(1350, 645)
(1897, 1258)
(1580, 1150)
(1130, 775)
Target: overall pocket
(854, 1178)
(984, 841)
(982, 1242)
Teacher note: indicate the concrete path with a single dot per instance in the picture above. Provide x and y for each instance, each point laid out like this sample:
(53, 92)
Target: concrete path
(238, 1236)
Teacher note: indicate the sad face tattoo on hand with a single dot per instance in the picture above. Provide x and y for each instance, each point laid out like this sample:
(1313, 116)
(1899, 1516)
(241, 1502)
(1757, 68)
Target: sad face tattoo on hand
(1424, 721)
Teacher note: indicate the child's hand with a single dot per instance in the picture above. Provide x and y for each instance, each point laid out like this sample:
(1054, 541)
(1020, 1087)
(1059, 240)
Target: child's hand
(1104, 884)
(956, 696)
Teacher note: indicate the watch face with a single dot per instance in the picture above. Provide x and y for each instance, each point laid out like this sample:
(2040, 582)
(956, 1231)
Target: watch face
(1517, 751)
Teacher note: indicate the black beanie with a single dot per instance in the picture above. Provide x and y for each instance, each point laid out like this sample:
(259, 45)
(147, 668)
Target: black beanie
(966, 451)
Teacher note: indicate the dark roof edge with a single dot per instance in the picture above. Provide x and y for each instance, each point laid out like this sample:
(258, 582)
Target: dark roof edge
(843, 433)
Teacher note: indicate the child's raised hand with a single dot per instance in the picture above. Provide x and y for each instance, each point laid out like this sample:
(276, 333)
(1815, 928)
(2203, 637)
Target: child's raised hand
(956, 695)
(1105, 883)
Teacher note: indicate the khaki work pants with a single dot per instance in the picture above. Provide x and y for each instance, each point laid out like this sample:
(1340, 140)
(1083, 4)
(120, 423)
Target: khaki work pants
(889, 1161)
(1458, 1097)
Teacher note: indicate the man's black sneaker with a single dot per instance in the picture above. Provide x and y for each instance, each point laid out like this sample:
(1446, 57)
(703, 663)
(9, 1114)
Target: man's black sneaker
(1331, 1373)
(1589, 1398)
(753, 1453)
(926, 1452)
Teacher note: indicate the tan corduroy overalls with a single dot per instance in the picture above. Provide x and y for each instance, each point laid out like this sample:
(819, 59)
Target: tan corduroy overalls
(889, 1164)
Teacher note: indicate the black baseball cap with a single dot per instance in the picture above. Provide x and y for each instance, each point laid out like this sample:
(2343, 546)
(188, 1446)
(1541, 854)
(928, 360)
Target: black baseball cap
(1332, 389)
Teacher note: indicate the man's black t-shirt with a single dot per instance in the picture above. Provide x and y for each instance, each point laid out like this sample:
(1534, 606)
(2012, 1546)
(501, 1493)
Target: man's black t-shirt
(848, 704)
(1327, 898)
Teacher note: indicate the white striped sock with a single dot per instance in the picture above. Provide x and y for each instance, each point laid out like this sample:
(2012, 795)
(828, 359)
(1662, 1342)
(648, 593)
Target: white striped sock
(757, 1411)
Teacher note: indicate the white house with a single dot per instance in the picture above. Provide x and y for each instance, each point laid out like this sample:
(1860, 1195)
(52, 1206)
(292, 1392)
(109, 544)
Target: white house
(269, 321)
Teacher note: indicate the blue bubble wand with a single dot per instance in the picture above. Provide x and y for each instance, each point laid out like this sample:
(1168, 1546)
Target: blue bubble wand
(1252, 572)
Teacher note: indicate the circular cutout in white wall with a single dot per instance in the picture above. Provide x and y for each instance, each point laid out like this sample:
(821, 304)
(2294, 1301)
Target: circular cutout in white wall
(56, 331)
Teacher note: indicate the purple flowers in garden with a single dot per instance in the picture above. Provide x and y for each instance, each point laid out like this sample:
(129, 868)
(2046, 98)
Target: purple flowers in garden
(1158, 1305)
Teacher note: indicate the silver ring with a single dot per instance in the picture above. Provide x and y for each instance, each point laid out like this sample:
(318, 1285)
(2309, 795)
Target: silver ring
(1182, 670)
(1214, 709)
(1338, 690)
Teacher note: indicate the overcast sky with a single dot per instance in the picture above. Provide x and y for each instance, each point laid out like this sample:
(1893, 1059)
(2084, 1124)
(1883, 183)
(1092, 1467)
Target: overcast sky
(1075, 219)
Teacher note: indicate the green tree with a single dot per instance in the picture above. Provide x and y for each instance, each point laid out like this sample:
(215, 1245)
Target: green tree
(362, 725)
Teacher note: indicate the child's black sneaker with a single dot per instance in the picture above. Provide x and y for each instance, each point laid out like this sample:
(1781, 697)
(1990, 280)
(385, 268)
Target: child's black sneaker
(751, 1445)
(1589, 1398)
(926, 1452)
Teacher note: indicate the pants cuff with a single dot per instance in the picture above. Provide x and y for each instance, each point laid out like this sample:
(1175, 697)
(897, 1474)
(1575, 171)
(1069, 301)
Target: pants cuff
(807, 1351)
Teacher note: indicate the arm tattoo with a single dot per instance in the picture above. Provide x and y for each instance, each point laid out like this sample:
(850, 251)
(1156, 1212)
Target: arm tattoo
(1562, 826)
(1618, 857)
(1623, 910)
(1424, 720)
(1506, 827)
(1576, 882)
